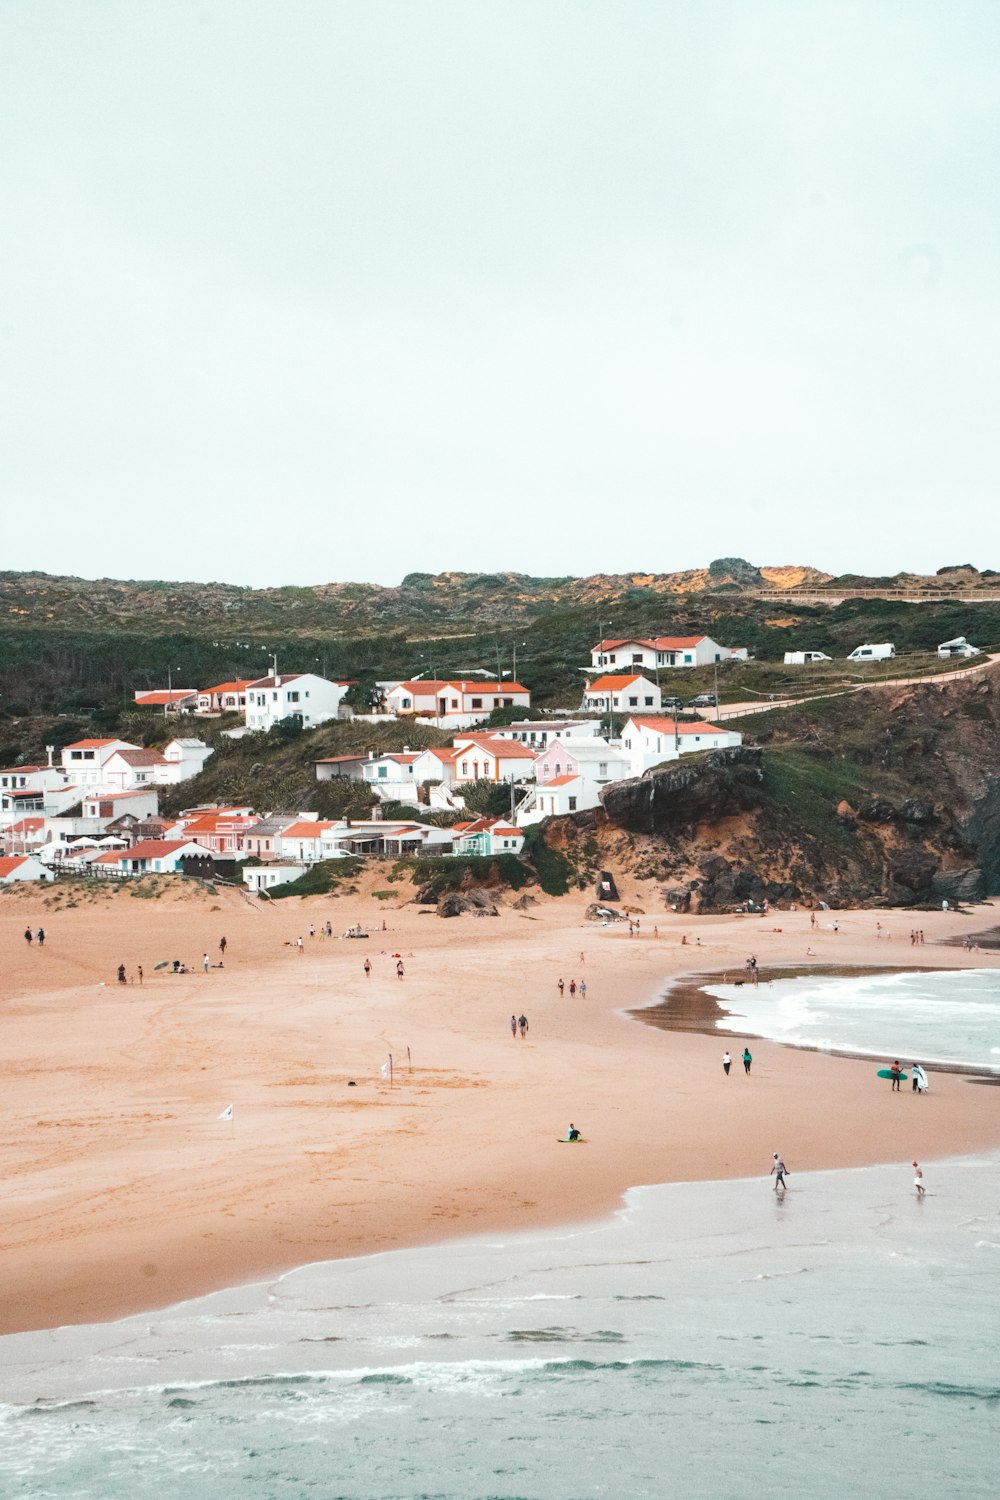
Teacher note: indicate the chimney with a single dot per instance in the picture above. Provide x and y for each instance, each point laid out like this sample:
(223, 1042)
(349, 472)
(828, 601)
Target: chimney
(50, 751)
(406, 749)
(371, 755)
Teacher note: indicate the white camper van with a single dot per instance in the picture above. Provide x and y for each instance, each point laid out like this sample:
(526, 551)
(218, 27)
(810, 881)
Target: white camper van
(802, 658)
(958, 647)
(873, 653)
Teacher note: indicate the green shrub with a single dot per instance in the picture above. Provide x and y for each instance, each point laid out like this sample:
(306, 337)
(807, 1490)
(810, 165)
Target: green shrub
(554, 871)
(318, 880)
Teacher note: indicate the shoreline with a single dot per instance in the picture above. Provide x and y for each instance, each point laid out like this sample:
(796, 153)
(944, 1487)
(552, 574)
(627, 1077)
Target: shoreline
(126, 1194)
(687, 1006)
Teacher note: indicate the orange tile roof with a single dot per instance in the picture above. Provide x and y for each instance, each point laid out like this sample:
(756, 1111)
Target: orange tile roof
(610, 684)
(27, 825)
(677, 642)
(669, 726)
(91, 744)
(9, 863)
(558, 781)
(505, 749)
(306, 830)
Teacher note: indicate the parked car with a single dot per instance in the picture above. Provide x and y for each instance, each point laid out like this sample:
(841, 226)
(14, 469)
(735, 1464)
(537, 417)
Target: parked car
(675, 703)
(958, 647)
(803, 658)
(704, 700)
(873, 653)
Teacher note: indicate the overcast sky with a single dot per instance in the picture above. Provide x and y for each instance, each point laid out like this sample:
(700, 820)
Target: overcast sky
(294, 292)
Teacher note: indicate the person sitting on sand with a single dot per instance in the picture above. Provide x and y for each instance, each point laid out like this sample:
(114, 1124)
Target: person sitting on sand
(573, 1134)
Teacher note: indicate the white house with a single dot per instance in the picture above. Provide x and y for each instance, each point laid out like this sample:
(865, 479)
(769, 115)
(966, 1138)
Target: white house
(600, 761)
(224, 698)
(340, 768)
(391, 776)
(436, 764)
(83, 762)
(483, 758)
(15, 867)
(130, 767)
(461, 698)
(649, 741)
(171, 700)
(662, 651)
(536, 733)
(300, 695)
(487, 836)
(153, 856)
(104, 806)
(621, 693)
(559, 797)
(182, 759)
(280, 872)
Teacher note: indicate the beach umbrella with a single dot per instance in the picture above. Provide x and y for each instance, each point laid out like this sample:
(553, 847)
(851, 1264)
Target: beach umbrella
(163, 964)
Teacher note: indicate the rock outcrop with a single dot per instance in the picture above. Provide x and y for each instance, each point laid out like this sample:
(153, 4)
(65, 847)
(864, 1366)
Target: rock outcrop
(685, 793)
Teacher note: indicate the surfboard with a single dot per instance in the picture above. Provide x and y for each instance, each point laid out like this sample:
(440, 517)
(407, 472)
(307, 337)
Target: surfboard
(923, 1082)
(887, 1073)
(565, 1141)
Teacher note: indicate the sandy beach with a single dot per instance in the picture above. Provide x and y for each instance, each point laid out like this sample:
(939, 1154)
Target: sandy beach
(124, 1191)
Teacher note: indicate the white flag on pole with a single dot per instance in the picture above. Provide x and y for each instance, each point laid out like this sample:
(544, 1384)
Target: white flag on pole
(227, 1113)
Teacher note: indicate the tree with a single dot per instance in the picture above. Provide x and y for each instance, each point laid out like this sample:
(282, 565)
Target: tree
(340, 798)
(489, 799)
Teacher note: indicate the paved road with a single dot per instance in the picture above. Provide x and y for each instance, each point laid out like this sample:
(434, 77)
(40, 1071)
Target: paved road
(756, 706)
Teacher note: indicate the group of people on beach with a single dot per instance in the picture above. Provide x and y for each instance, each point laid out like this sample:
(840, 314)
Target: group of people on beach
(574, 988)
(39, 936)
(727, 1060)
(917, 937)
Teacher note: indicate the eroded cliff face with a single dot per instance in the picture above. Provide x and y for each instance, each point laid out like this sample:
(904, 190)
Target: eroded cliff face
(883, 798)
(688, 793)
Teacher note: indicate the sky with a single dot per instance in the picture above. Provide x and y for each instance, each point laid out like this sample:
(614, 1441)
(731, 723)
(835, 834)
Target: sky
(294, 291)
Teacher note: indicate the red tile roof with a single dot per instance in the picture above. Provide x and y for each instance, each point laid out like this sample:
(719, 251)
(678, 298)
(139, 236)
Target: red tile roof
(306, 830)
(677, 642)
(147, 849)
(9, 863)
(558, 781)
(162, 696)
(91, 744)
(282, 679)
(137, 757)
(504, 749)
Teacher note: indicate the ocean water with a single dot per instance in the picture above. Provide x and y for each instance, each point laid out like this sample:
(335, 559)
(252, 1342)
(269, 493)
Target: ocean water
(918, 1016)
(710, 1340)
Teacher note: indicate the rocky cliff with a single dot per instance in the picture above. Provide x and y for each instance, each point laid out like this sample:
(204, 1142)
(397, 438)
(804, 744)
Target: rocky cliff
(887, 796)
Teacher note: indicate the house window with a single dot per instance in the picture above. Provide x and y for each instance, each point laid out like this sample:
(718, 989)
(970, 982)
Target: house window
(465, 768)
(637, 658)
(602, 768)
(558, 768)
(688, 658)
(383, 771)
(572, 804)
(292, 697)
(648, 702)
(477, 702)
(634, 702)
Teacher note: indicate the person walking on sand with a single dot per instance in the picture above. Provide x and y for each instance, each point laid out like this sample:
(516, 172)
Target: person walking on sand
(513, 1026)
(918, 1179)
(29, 936)
(583, 989)
(727, 1063)
(572, 988)
(897, 1074)
(139, 972)
(561, 987)
(121, 974)
(399, 968)
(40, 936)
(778, 1171)
(299, 945)
(522, 1022)
(368, 968)
(223, 946)
(747, 1059)
(206, 962)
